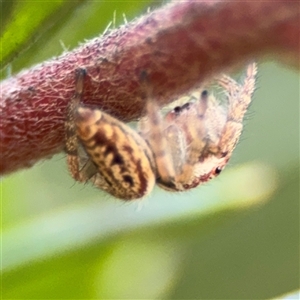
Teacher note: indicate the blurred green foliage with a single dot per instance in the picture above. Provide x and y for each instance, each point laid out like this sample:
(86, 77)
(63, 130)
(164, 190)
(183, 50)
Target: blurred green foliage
(234, 238)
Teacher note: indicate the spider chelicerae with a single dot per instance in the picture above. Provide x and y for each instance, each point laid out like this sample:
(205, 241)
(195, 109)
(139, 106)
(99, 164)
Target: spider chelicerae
(189, 145)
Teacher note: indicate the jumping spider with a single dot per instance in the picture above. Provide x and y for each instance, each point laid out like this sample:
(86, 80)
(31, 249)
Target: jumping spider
(190, 145)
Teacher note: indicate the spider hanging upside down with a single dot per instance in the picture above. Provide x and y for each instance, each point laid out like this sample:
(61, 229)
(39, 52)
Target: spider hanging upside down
(190, 145)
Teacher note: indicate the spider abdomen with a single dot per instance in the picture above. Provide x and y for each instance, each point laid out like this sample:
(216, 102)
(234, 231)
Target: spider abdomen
(120, 154)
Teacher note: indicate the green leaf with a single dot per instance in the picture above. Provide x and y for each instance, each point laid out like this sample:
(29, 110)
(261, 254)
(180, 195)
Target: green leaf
(24, 21)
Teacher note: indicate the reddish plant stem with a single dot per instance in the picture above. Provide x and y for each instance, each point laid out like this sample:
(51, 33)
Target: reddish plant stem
(178, 45)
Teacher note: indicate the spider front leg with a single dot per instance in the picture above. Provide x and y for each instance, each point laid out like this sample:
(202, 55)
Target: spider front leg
(239, 97)
(197, 145)
(117, 159)
(152, 130)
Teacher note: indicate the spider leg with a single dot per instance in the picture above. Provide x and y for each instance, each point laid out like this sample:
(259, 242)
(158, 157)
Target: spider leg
(158, 143)
(239, 98)
(72, 145)
(197, 131)
(177, 145)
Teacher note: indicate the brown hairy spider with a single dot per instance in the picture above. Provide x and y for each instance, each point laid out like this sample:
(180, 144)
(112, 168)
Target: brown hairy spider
(190, 145)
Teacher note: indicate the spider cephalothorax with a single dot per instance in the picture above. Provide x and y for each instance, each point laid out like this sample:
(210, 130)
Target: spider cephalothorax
(190, 145)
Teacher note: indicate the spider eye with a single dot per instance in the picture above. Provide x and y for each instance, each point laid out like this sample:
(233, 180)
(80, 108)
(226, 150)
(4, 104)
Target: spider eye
(218, 170)
(177, 110)
(204, 94)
